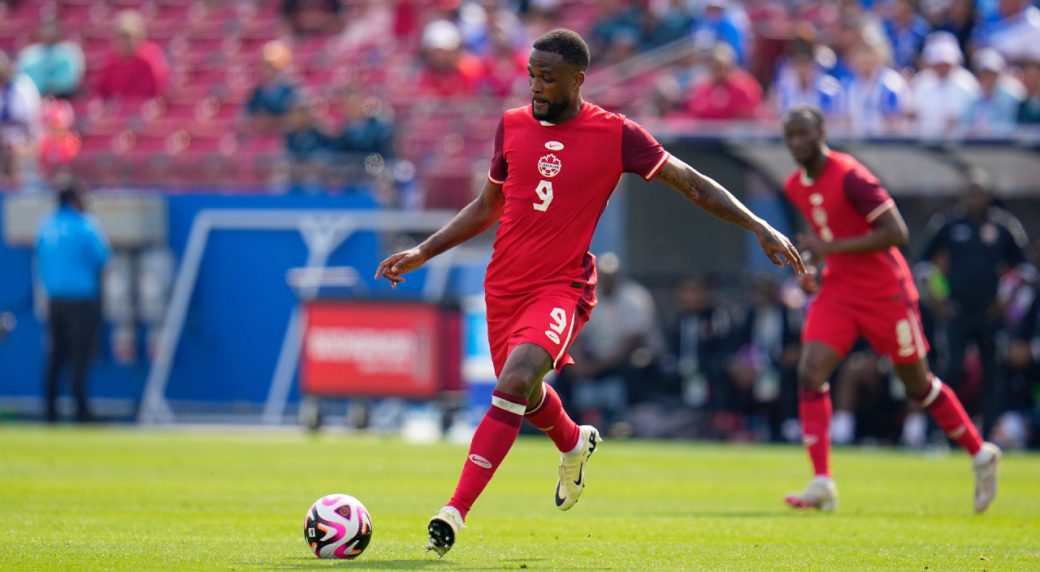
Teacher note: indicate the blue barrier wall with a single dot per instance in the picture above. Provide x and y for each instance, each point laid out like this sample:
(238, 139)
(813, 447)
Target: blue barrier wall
(239, 308)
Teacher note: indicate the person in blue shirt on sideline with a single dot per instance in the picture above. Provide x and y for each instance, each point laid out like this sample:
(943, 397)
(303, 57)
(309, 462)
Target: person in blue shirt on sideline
(70, 253)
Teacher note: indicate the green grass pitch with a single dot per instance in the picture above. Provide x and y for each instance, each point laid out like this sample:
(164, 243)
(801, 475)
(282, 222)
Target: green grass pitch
(202, 499)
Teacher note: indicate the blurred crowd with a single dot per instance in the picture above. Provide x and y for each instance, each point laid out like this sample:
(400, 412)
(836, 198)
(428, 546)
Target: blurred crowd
(722, 365)
(360, 90)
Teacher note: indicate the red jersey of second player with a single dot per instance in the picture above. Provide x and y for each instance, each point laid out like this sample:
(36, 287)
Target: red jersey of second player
(556, 180)
(843, 202)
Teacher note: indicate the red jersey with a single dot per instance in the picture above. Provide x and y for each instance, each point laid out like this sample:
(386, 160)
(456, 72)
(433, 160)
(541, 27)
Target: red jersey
(842, 203)
(556, 180)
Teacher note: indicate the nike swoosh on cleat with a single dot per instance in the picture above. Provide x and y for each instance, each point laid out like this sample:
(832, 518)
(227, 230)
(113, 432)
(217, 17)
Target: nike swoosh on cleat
(581, 475)
(559, 500)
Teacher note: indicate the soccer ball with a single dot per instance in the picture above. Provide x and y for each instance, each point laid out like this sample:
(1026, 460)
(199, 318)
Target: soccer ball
(337, 526)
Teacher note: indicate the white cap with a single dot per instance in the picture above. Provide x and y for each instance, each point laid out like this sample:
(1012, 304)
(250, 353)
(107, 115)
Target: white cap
(942, 48)
(988, 59)
(441, 34)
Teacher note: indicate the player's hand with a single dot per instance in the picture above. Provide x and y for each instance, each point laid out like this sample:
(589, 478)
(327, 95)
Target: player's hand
(779, 249)
(399, 263)
(813, 244)
(808, 281)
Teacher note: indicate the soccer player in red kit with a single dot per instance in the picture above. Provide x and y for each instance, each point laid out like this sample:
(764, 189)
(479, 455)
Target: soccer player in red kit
(555, 164)
(867, 290)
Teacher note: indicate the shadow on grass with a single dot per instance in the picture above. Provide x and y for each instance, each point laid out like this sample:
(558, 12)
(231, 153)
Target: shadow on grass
(361, 564)
(304, 563)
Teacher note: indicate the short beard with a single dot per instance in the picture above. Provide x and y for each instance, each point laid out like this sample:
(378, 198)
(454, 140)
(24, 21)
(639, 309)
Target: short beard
(554, 112)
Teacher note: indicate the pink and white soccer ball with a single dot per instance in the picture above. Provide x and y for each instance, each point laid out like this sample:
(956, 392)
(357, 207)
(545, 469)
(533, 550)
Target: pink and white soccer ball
(337, 526)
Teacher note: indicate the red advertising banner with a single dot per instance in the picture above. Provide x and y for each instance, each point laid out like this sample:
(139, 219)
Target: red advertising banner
(376, 349)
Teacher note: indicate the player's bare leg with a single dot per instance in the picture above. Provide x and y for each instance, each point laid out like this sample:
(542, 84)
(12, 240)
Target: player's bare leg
(524, 369)
(817, 363)
(942, 404)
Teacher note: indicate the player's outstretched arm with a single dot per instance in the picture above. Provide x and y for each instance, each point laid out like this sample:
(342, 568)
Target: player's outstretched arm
(473, 219)
(887, 230)
(714, 198)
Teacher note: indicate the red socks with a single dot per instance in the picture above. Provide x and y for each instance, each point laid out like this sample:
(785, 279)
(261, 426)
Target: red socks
(941, 402)
(814, 407)
(491, 442)
(550, 418)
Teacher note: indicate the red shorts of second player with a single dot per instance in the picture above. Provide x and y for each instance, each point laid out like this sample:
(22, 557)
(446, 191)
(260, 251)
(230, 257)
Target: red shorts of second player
(549, 318)
(892, 327)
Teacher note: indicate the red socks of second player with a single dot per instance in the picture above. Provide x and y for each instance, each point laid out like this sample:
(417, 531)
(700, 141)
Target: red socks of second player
(550, 418)
(814, 407)
(491, 442)
(941, 402)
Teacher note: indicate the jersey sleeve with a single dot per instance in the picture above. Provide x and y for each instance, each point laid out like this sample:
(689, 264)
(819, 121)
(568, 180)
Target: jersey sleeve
(499, 168)
(867, 195)
(641, 154)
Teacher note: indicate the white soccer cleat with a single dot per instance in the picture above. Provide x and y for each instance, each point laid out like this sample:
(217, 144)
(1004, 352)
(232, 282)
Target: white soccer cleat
(443, 529)
(820, 494)
(985, 465)
(572, 469)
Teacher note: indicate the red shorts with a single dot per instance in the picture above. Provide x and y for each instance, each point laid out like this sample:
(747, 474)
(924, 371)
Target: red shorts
(549, 318)
(892, 327)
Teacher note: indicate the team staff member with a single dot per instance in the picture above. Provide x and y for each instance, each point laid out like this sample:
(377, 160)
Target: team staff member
(70, 253)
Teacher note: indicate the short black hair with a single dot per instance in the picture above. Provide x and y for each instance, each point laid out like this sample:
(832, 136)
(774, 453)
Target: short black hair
(69, 191)
(568, 43)
(810, 111)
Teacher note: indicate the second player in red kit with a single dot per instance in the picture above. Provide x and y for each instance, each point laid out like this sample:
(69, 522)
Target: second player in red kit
(555, 164)
(867, 290)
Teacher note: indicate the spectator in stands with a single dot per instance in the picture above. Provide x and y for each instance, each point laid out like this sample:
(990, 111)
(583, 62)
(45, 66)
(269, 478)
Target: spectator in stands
(136, 68)
(54, 65)
(697, 343)
(723, 22)
(944, 91)
(1017, 33)
(995, 111)
(801, 81)
(367, 126)
(313, 17)
(982, 242)
(906, 31)
(616, 348)
(307, 148)
(19, 124)
(70, 253)
(730, 93)
(59, 144)
(763, 368)
(480, 21)
(275, 94)
(505, 67)
(1029, 109)
(449, 71)
(666, 22)
(616, 31)
(877, 97)
(956, 17)
(675, 83)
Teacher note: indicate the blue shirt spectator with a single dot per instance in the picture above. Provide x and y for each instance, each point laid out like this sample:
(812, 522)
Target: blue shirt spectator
(995, 111)
(70, 251)
(800, 81)
(366, 129)
(906, 31)
(275, 98)
(720, 23)
(275, 95)
(55, 66)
